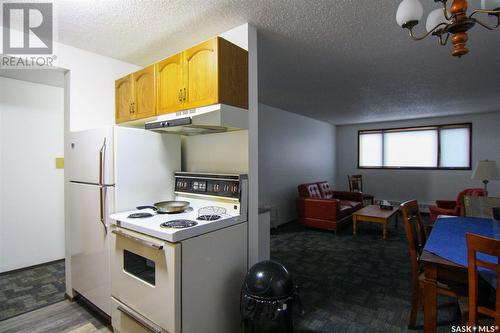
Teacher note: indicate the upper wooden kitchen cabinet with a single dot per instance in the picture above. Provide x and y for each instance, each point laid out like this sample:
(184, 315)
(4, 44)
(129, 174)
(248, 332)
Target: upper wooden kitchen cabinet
(135, 95)
(144, 104)
(215, 71)
(169, 84)
(124, 97)
(201, 75)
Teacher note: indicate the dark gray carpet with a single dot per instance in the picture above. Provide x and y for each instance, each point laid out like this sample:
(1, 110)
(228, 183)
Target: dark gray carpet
(352, 284)
(29, 289)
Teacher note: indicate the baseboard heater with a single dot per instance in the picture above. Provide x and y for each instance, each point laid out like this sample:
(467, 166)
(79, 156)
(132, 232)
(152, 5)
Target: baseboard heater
(424, 207)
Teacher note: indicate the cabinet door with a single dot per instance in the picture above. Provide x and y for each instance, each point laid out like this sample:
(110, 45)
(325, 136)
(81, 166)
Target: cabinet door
(144, 93)
(201, 77)
(123, 99)
(169, 84)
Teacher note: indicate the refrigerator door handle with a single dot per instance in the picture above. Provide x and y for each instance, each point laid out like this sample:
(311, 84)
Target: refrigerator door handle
(102, 200)
(102, 154)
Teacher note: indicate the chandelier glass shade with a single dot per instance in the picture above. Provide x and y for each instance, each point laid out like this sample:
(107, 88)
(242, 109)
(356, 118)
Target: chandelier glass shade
(445, 23)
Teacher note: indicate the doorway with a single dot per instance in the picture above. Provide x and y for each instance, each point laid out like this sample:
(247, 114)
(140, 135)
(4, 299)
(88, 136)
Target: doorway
(32, 241)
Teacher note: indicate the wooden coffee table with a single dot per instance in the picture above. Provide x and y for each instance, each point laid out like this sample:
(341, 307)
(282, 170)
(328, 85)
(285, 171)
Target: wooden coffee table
(374, 214)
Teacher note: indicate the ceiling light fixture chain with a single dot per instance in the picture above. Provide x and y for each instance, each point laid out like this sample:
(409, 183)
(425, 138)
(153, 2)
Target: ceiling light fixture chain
(444, 23)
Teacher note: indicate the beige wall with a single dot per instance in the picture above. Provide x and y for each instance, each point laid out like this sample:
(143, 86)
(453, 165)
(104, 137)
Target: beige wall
(218, 153)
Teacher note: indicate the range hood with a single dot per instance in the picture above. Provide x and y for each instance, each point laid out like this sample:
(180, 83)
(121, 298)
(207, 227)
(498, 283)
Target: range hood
(210, 119)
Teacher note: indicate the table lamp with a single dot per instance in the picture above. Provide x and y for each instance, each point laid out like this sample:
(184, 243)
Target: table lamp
(486, 171)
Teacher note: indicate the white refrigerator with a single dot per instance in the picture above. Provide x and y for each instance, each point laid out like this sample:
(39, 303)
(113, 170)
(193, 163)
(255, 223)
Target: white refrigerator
(111, 169)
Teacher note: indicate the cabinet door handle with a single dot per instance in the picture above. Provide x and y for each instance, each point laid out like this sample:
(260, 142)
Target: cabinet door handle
(133, 107)
(180, 95)
(130, 108)
(184, 95)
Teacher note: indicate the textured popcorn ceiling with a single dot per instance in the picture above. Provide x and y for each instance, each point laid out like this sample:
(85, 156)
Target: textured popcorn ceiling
(342, 61)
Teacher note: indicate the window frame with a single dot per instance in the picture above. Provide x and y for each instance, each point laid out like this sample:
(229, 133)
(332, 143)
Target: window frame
(412, 129)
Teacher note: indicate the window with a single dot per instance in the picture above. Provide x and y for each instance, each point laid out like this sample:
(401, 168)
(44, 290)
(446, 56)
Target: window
(139, 266)
(425, 147)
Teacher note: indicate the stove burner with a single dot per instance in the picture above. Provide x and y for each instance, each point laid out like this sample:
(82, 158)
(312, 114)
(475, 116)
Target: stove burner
(210, 213)
(139, 215)
(179, 224)
(210, 217)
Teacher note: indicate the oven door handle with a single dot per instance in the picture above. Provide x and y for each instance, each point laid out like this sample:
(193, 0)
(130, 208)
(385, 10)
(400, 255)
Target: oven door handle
(140, 320)
(137, 239)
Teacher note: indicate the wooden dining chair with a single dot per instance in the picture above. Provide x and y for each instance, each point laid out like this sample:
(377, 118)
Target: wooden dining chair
(481, 244)
(356, 185)
(417, 238)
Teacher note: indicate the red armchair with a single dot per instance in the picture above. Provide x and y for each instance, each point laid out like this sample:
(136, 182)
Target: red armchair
(320, 207)
(453, 208)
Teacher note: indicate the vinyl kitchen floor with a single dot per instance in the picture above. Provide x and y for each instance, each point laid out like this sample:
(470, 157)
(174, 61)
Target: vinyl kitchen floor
(64, 316)
(32, 288)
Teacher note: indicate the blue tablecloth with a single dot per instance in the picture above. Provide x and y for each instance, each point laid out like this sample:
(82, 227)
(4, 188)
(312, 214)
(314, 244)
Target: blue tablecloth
(448, 240)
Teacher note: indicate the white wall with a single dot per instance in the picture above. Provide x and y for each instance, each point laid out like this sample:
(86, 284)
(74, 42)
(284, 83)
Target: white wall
(31, 188)
(255, 244)
(217, 153)
(423, 185)
(91, 86)
(293, 149)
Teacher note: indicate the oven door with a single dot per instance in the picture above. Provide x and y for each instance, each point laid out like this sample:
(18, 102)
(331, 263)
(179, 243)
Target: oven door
(145, 277)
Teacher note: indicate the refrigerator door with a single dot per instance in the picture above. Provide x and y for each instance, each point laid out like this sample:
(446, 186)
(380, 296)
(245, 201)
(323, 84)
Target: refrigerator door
(91, 156)
(89, 243)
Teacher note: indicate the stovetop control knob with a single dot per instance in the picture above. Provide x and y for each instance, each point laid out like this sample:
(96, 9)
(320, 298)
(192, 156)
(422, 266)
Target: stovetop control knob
(216, 188)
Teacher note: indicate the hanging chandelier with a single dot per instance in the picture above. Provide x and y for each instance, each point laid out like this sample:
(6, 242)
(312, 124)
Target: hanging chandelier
(444, 23)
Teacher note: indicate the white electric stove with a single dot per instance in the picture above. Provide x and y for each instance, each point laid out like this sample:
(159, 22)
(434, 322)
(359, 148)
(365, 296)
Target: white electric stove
(182, 272)
(216, 201)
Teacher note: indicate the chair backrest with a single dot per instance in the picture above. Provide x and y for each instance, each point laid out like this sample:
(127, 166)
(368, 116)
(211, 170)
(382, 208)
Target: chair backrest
(415, 233)
(473, 192)
(481, 244)
(326, 190)
(480, 206)
(355, 183)
(309, 191)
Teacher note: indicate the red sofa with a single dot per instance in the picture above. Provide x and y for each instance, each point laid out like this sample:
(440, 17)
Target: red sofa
(453, 208)
(320, 207)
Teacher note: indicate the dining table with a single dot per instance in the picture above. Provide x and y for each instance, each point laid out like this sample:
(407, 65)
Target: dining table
(444, 257)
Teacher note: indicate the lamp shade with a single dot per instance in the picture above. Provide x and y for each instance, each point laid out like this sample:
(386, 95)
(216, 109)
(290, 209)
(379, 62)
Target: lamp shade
(435, 18)
(409, 10)
(486, 170)
(490, 4)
